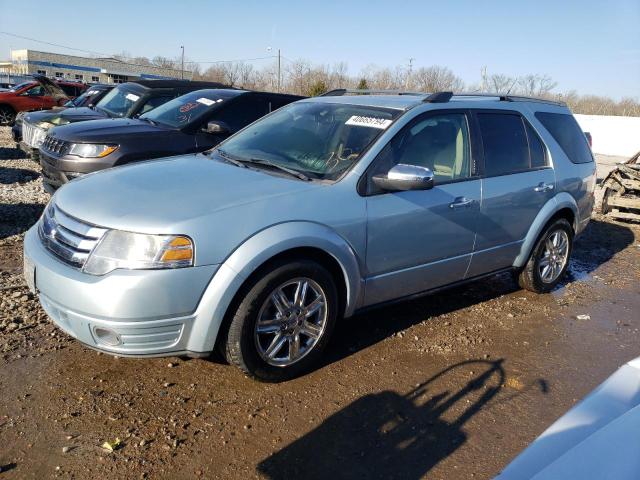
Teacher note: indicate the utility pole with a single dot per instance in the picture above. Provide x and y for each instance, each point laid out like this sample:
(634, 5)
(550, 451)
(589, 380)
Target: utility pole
(182, 63)
(278, 70)
(406, 83)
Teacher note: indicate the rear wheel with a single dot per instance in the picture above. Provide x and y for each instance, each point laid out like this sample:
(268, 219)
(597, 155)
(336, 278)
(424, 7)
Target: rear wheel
(7, 115)
(549, 259)
(283, 321)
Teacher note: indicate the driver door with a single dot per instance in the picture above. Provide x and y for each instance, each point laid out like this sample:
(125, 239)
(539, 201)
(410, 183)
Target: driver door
(422, 239)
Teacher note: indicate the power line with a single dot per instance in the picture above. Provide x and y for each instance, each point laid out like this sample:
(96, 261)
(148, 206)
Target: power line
(52, 44)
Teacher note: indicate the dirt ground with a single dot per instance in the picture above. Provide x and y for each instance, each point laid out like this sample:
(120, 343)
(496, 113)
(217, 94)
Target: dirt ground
(450, 386)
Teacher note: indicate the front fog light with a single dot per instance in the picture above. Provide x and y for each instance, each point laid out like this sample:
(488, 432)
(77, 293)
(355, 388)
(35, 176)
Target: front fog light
(128, 250)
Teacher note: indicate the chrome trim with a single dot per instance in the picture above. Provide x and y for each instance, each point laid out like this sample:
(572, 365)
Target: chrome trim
(68, 238)
(33, 136)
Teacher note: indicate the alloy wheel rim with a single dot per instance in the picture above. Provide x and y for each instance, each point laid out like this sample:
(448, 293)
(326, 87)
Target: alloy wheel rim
(290, 322)
(554, 257)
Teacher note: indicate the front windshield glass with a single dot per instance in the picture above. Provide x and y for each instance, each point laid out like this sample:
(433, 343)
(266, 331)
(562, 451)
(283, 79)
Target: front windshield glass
(20, 86)
(321, 140)
(187, 109)
(118, 102)
(82, 99)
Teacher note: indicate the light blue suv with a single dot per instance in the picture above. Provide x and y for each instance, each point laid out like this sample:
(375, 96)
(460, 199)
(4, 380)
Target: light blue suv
(305, 217)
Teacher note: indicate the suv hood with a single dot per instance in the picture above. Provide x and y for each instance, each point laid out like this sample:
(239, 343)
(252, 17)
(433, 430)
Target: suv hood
(164, 196)
(79, 114)
(50, 86)
(107, 131)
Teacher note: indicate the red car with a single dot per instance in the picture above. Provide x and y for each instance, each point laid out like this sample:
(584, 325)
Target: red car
(39, 94)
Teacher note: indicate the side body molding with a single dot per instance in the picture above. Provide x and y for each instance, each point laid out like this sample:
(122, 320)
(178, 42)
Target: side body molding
(252, 254)
(553, 205)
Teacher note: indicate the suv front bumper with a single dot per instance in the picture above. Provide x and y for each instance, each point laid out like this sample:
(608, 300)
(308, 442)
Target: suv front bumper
(56, 171)
(126, 312)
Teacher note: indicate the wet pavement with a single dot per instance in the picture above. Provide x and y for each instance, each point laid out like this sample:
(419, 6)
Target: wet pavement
(449, 386)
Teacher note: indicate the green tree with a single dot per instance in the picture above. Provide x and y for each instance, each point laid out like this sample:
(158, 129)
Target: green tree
(362, 84)
(317, 88)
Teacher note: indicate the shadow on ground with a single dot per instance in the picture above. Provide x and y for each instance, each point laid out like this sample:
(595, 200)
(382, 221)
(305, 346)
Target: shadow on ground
(17, 218)
(17, 175)
(11, 153)
(389, 435)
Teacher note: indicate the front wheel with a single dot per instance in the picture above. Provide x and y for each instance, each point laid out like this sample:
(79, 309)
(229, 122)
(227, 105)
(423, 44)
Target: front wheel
(549, 259)
(283, 321)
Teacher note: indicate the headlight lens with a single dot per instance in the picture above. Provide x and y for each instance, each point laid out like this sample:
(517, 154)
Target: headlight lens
(44, 125)
(55, 121)
(90, 150)
(119, 249)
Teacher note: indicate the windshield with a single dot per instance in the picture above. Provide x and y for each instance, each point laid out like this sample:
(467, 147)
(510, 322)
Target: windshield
(20, 86)
(187, 109)
(322, 140)
(118, 102)
(83, 99)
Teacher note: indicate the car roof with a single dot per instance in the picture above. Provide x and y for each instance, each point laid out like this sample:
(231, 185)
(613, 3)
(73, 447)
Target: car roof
(397, 102)
(178, 84)
(407, 100)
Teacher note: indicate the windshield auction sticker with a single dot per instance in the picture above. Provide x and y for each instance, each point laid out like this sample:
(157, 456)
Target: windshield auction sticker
(206, 101)
(371, 122)
(132, 97)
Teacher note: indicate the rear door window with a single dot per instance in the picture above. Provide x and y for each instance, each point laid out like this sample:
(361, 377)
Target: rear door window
(537, 149)
(566, 131)
(504, 139)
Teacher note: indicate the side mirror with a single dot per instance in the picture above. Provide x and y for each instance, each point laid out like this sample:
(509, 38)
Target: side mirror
(216, 128)
(405, 177)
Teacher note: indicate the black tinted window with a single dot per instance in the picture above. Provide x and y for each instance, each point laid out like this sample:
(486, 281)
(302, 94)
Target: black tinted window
(566, 131)
(154, 102)
(538, 152)
(242, 112)
(505, 143)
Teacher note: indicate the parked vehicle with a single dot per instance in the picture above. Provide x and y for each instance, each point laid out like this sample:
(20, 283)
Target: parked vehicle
(133, 98)
(323, 208)
(37, 123)
(191, 123)
(40, 94)
(596, 439)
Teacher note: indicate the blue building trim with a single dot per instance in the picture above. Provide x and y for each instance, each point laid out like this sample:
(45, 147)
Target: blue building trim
(67, 66)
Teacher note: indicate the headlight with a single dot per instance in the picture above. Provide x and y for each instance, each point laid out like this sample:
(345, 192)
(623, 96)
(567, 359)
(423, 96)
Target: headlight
(90, 150)
(55, 121)
(45, 125)
(119, 249)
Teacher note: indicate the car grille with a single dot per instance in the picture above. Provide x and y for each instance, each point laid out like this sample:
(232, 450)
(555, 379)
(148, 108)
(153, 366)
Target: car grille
(54, 145)
(32, 135)
(69, 239)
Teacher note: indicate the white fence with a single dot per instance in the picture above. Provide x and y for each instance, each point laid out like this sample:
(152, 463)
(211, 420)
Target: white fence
(611, 135)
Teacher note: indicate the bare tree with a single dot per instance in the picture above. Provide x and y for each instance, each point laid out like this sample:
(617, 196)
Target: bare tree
(435, 79)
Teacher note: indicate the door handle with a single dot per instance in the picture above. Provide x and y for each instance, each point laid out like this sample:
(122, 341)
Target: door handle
(543, 187)
(461, 202)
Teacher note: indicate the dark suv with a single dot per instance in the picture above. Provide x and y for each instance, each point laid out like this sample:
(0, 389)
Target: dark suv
(191, 123)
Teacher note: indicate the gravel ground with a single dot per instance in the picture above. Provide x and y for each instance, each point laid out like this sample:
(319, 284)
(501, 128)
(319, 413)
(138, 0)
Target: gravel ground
(450, 386)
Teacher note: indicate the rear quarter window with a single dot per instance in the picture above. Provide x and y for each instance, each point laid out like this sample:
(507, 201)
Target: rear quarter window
(566, 131)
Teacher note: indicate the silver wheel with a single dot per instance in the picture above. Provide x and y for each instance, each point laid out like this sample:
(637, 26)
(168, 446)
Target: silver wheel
(291, 322)
(555, 256)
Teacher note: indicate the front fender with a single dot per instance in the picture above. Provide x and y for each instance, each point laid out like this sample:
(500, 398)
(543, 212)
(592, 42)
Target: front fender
(254, 252)
(553, 205)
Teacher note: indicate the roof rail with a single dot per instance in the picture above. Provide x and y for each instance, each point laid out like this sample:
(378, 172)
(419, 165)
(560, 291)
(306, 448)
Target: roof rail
(511, 98)
(354, 91)
(439, 97)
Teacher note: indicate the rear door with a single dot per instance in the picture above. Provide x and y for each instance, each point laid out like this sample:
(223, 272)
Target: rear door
(516, 182)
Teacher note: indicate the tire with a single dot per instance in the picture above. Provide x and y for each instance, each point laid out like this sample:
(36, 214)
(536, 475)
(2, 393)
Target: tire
(249, 349)
(534, 276)
(7, 115)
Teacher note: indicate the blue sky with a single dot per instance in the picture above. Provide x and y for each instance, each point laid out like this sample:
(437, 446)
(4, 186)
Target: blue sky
(588, 46)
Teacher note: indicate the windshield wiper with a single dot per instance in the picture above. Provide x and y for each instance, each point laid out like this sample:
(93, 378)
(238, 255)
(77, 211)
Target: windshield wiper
(228, 158)
(149, 120)
(276, 166)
